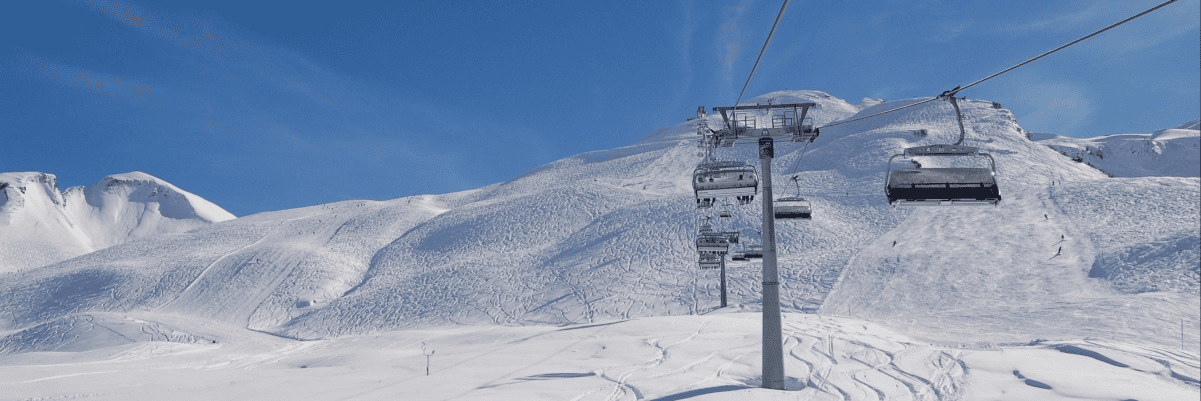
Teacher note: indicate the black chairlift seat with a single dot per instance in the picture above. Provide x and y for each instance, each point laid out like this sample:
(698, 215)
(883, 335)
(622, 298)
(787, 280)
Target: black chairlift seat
(930, 186)
(793, 208)
(737, 256)
(938, 186)
(710, 261)
(718, 179)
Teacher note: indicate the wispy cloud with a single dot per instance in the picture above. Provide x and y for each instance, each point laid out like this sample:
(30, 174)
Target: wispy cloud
(1150, 30)
(948, 32)
(108, 84)
(292, 115)
(1067, 16)
(730, 38)
(1062, 108)
(687, 30)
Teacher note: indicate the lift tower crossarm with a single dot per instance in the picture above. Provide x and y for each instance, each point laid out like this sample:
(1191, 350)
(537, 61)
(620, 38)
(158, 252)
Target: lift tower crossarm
(765, 106)
(803, 106)
(792, 129)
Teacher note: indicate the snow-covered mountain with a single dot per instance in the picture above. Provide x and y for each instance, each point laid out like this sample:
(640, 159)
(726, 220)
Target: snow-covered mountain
(1069, 254)
(40, 225)
(1171, 152)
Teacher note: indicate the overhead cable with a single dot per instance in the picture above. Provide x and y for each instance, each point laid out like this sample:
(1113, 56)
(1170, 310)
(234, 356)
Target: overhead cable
(769, 34)
(957, 89)
(952, 92)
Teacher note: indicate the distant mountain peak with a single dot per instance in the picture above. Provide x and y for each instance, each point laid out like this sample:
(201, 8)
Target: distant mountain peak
(43, 225)
(1170, 152)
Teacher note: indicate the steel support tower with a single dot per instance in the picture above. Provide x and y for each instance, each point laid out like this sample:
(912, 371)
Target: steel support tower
(739, 129)
(773, 341)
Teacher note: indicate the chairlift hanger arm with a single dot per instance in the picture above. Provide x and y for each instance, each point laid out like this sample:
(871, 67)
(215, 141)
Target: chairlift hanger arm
(888, 172)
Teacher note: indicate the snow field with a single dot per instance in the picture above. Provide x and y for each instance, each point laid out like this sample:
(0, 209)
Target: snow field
(713, 356)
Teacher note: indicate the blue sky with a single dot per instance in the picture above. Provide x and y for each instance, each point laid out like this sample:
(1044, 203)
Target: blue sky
(263, 105)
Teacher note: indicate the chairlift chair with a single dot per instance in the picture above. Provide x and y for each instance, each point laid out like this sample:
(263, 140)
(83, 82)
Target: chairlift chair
(793, 208)
(754, 251)
(724, 178)
(709, 261)
(929, 186)
(712, 244)
(716, 242)
(738, 255)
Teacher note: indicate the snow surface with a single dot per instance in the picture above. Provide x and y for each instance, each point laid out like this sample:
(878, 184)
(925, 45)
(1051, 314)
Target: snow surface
(593, 254)
(40, 225)
(1167, 152)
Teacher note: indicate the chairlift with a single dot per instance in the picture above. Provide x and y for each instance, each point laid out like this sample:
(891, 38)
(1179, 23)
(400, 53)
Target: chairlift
(930, 186)
(793, 207)
(716, 242)
(710, 261)
(724, 178)
(738, 255)
(726, 211)
(754, 251)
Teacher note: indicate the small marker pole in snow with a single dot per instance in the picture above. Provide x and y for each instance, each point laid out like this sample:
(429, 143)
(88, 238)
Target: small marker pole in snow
(427, 358)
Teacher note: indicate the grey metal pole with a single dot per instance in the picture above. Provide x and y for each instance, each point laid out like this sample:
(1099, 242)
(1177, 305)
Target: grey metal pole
(723, 281)
(773, 342)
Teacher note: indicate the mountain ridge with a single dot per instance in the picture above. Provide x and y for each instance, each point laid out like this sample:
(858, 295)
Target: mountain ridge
(39, 224)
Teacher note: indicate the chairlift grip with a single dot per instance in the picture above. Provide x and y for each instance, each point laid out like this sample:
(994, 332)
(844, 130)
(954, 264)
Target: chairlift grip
(958, 117)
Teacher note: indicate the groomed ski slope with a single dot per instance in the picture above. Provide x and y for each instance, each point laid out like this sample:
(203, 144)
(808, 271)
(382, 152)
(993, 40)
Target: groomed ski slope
(607, 236)
(710, 357)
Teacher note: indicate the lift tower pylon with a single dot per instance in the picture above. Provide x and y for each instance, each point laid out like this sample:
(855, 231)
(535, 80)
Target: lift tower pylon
(773, 340)
(740, 127)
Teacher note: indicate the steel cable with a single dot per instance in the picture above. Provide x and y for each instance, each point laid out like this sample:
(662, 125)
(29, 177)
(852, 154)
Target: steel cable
(952, 92)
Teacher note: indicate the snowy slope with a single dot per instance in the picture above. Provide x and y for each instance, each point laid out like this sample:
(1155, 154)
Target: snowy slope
(40, 225)
(35, 228)
(710, 357)
(1172, 152)
(608, 235)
